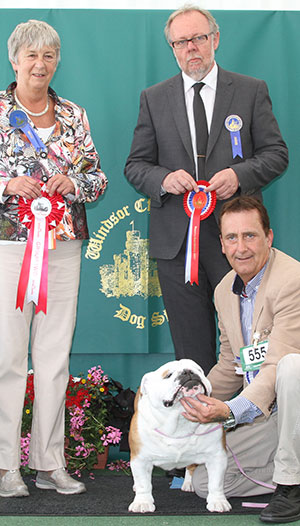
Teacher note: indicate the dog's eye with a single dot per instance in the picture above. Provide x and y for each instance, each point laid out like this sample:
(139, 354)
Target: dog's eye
(168, 375)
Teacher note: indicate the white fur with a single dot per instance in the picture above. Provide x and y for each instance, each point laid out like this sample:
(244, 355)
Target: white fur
(161, 436)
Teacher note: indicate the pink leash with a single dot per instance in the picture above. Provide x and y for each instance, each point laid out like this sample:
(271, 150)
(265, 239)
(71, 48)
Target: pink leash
(191, 434)
(236, 460)
(260, 483)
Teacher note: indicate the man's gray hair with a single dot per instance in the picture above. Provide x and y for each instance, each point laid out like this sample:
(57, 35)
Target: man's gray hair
(188, 8)
(35, 33)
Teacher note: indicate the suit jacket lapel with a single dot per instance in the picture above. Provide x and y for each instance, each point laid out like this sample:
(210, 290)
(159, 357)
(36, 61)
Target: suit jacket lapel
(224, 94)
(178, 108)
(235, 305)
(260, 297)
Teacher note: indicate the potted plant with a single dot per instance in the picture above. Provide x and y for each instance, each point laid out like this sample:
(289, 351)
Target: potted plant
(93, 406)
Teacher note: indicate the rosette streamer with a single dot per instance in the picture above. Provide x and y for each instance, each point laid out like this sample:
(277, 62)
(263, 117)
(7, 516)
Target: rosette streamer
(198, 206)
(39, 215)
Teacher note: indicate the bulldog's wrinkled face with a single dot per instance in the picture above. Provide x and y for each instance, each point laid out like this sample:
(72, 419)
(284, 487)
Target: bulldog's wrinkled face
(172, 381)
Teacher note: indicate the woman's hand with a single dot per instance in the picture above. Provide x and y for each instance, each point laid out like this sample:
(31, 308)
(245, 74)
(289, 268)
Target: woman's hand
(24, 186)
(61, 184)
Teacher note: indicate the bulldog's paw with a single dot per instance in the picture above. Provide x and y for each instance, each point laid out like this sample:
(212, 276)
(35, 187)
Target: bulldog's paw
(219, 504)
(142, 504)
(187, 486)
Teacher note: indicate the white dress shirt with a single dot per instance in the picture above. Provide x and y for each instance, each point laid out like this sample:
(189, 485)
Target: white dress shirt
(208, 95)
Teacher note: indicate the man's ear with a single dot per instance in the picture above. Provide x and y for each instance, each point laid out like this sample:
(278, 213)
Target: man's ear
(270, 237)
(216, 40)
(221, 241)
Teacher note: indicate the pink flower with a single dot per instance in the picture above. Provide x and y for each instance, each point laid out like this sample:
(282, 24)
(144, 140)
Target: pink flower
(120, 465)
(77, 419)
(113, 436)
(25, 441)
(95, 375)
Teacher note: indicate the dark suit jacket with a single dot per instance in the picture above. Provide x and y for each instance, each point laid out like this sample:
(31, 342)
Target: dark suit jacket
(162, 144)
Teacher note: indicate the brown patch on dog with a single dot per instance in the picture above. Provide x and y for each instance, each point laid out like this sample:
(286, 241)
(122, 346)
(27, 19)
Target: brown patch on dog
(136, 399)
(165, 373)
(191, 468)
(224, 439)
(133, 438)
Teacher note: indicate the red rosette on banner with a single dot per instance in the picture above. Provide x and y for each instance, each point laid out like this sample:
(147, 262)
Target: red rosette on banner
(39, 215)
(198, 206)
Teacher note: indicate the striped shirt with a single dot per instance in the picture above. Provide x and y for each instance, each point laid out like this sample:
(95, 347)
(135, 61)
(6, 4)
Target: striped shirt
(243, 410)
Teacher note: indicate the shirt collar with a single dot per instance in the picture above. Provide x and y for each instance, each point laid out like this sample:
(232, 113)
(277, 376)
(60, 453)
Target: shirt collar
(252, 285)
(10, 90)
(210, 79)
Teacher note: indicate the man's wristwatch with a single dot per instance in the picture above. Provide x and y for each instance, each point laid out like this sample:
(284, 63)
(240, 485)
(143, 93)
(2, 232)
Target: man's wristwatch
(230, 421)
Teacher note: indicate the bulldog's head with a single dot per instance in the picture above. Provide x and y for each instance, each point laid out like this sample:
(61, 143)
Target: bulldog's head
(171, 381)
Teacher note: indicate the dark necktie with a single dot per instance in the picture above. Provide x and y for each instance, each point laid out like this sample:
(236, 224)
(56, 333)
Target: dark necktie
(201, 128)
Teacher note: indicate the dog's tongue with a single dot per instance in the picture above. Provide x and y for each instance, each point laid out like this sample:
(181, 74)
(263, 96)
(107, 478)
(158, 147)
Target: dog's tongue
(191, 391)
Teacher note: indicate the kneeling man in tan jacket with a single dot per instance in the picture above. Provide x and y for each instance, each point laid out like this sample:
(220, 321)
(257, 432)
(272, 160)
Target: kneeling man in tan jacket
(258, 305)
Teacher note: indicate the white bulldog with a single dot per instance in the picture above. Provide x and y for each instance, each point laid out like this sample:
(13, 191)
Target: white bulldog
(161, 436)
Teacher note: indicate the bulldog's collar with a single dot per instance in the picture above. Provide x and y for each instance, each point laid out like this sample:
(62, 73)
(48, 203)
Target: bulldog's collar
(190, 434)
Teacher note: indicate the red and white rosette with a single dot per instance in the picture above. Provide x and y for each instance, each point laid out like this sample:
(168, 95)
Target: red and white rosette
(39, 215)
(198, 206)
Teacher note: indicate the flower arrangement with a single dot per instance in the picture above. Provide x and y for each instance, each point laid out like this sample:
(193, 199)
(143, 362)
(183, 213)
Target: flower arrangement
(120, 465)
(95, 404)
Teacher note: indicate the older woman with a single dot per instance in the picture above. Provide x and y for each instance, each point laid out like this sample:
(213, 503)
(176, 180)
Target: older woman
(43, 139)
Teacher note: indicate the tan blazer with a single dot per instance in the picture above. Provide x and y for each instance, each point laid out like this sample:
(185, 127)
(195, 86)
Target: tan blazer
(276, 317)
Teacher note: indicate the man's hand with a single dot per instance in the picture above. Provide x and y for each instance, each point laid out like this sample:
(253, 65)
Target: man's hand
(179, 182)
(213, 411)
(61, 184)
(225, 183)
(24, 186)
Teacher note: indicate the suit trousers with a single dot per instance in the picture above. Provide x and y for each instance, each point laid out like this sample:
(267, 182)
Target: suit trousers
(50, 338)
(269, 448)
(189, 307)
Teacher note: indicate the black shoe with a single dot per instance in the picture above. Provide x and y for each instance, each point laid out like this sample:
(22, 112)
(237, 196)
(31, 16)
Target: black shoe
(284, 505)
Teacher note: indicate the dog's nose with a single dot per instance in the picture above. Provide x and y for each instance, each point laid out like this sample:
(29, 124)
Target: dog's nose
(189, 379)
(188, 376)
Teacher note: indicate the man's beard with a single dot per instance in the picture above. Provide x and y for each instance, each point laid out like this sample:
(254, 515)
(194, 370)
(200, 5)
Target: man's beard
(200, 72)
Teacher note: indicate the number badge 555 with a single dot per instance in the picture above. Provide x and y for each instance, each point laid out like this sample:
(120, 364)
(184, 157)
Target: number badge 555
(253, 356)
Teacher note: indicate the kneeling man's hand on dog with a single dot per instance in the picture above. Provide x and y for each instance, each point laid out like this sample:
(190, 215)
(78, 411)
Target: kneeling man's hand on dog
(204, 409)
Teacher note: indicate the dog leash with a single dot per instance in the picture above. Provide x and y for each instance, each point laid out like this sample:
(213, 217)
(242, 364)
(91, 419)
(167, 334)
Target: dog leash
(191, 434)
(259, 482)
(236, 460)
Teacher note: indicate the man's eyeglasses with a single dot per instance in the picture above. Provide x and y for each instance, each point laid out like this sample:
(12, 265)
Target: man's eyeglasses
(197, 41)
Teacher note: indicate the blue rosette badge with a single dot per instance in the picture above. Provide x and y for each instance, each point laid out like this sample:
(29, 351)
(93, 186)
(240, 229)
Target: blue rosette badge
(19, 120)
(234, 123)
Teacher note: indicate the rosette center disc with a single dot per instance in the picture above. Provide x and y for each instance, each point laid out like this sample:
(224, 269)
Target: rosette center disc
(41, 207)
(199, 200)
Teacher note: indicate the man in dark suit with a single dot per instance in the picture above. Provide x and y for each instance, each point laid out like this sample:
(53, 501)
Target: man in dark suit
(164, 164)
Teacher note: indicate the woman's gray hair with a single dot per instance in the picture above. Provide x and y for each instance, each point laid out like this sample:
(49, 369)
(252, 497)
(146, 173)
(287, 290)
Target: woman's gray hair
(188, 8)
(34, 33)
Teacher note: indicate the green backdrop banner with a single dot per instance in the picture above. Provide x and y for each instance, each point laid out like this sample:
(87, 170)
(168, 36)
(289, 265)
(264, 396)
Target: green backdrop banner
(108, 57)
